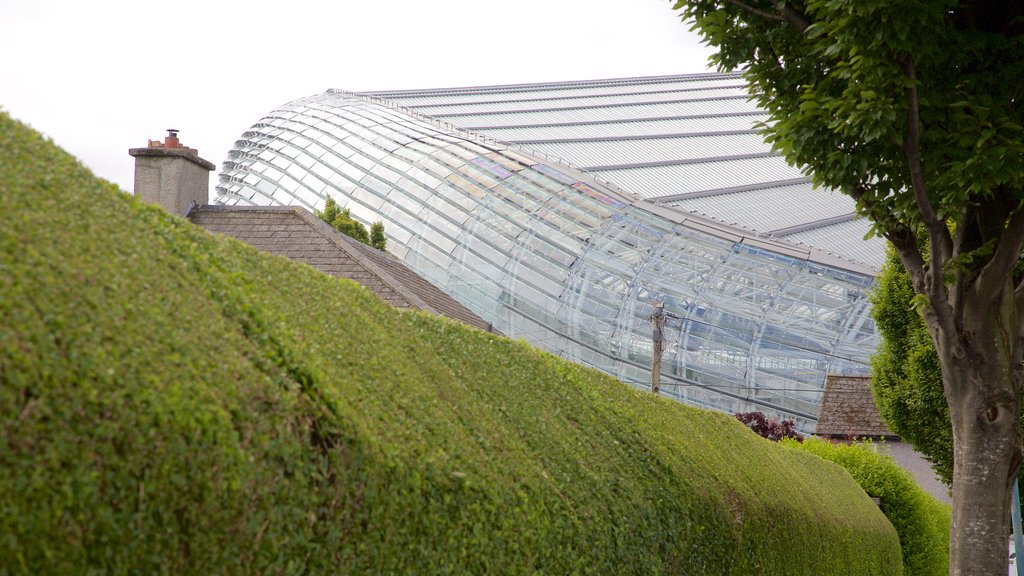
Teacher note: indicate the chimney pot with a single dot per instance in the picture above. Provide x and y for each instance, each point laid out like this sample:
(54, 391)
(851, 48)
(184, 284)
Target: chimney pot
(172, 139)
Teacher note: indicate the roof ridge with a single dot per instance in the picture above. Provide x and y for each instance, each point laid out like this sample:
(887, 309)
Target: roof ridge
(581, 96)
(631, 137)
(540, 86)
(618, 121)
(679, 162)
(730, 190)
(591, 106)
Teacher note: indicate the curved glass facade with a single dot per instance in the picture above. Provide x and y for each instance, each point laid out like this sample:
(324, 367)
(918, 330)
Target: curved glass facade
(548, 254)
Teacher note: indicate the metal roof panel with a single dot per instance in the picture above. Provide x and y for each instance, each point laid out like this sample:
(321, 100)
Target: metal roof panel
(555, 90)
(617, 113)
(626, 128)
(519, 103)
(847, 240)
(773, 208)
(657, 181)
(653, 150)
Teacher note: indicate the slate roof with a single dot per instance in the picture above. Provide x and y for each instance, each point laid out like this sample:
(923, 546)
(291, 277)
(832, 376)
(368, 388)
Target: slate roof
(295, 233)
(687, 142)
(847, 409)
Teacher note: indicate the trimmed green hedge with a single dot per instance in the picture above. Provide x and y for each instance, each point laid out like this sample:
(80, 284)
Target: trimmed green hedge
(921, 521)
(172, 402)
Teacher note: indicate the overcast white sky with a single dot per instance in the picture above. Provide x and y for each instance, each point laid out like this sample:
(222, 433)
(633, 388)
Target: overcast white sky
(105, 76)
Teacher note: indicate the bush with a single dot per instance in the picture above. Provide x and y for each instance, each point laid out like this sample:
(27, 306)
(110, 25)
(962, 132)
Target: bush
(921, 521)
(769, 428)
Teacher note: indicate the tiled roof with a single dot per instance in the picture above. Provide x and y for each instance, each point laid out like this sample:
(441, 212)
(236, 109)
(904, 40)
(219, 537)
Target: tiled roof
(847, 409)
(297, 234)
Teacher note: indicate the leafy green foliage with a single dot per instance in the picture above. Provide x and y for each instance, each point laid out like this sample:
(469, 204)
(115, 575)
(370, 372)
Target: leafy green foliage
(343, 221)
(912, 108)
(173, 402)
(377, 238)
(906, 378)
(921, 521)
(836, 92)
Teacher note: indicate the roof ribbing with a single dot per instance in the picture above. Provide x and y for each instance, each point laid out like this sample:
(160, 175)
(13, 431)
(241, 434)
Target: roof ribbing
(674, 140)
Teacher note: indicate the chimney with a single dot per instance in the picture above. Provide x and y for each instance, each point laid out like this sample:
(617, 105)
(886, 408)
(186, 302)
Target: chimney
(171, 175)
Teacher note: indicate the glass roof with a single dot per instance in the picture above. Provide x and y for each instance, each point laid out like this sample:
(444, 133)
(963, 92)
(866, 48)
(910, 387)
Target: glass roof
(644, 135)
(547, 253)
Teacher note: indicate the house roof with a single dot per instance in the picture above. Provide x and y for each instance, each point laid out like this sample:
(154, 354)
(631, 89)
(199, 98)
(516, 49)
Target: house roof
(295, 233)
(847, 409)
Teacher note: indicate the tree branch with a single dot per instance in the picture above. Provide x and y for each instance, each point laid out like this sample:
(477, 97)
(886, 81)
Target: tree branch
(1018, 291)
(786, 13)
(959, 288)
(1007, 252)
(1018, 303)
(793, 16)
(922, 276)
(905, 243)
(755, 11)
(940, 241)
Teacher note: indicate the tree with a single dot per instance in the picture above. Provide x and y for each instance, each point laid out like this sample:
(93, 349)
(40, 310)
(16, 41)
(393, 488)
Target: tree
(914, 108)
(343, 222)
(377, 238)
(906, 379)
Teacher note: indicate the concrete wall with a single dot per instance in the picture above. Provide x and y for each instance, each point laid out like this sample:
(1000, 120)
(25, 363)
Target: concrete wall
(919, 468)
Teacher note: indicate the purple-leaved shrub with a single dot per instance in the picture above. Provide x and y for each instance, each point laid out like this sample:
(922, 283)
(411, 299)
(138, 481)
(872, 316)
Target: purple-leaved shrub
(769, 428)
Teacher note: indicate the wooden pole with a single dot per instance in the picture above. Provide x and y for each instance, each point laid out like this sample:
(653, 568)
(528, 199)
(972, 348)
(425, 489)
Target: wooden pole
(658, 339)
(1018, 537)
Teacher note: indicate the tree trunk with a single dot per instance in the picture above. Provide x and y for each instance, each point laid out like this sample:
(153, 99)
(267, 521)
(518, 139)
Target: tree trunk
(981, 382)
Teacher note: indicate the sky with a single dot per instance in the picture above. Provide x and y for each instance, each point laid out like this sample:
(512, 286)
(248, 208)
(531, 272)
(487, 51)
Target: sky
(104, 76)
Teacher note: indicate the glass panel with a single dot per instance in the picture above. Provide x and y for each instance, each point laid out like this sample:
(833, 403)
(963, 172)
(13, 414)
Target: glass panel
(565, 264)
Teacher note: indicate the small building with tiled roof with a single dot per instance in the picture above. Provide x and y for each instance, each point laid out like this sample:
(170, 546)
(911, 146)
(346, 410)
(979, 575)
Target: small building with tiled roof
(848, 413)
(848, 410)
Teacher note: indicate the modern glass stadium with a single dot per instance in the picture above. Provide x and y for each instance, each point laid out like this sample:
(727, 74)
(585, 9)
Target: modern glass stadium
(561, 212)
